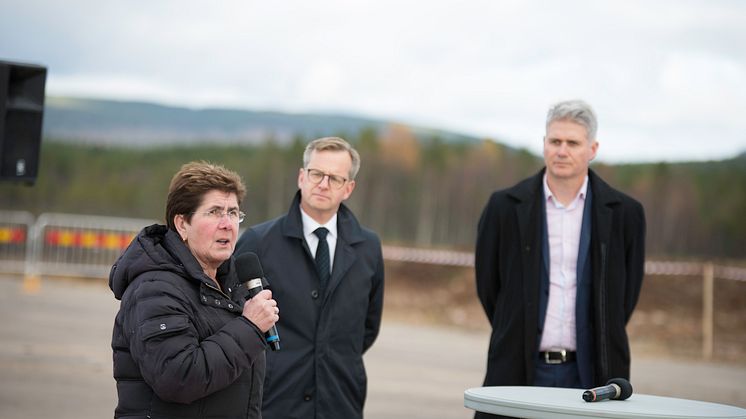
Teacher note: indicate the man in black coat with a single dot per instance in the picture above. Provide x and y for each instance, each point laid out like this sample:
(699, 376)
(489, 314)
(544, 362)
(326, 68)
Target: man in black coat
(559, 266)
(326, 273)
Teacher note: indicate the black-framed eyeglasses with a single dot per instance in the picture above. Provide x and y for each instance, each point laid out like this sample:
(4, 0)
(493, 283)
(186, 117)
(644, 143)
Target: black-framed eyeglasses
(217, 214)
(317, 176)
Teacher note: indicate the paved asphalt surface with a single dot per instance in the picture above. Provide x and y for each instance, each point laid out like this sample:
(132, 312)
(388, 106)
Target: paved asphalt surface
(55, 361)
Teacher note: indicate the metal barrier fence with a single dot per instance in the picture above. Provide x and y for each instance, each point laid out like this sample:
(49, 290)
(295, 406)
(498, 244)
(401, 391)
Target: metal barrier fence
(82, 245)
(78, 245)
(87, 246)
(652, 267)
(14, 231)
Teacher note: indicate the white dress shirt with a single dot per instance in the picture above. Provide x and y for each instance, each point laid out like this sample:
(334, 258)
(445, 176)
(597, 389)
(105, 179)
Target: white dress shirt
(563, 231)
(310, 225)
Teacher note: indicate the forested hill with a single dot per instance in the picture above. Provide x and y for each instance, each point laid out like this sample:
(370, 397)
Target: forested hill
(415, 187)
(425, 193)
(137, 124)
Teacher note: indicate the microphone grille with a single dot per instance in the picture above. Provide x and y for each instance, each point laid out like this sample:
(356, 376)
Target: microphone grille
(248, 266)
(624, 385)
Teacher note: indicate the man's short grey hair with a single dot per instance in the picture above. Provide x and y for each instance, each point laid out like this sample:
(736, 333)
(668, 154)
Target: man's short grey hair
(576, 111)
(333, 144)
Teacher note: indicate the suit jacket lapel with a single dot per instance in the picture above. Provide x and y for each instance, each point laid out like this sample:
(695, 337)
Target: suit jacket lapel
(602, 204)
(344, 258)
(525, 208)
(292, 227)
(585, 236)
(348, 233)
(528, 195)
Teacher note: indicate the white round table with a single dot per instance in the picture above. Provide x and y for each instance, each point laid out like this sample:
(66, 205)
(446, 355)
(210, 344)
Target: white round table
(551, 402)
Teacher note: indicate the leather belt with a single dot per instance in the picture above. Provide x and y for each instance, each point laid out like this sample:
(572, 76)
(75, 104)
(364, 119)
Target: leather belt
(557, 357)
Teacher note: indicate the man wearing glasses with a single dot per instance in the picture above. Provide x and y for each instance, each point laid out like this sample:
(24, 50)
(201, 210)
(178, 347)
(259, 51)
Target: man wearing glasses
(326, 273)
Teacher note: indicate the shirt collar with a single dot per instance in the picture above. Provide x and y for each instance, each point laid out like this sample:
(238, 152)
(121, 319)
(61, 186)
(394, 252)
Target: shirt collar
(310, 225)
(581, 193)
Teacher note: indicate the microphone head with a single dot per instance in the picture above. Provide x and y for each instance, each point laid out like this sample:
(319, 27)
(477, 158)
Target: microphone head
(248, 266)
(624, 385)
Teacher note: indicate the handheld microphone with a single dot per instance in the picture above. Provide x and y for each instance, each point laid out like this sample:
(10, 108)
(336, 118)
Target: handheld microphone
(615, 389)
(248, 266)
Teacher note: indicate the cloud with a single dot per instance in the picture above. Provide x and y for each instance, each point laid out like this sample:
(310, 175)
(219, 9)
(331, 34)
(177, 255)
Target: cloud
(661, 75)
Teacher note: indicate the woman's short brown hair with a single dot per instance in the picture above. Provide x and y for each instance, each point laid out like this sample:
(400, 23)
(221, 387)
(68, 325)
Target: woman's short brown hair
(190, 184)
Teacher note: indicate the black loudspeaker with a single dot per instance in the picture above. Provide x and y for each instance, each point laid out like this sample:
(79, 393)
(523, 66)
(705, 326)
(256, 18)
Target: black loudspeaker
(21, 113)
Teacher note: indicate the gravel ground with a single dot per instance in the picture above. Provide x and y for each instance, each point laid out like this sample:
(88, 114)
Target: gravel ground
(55, 360)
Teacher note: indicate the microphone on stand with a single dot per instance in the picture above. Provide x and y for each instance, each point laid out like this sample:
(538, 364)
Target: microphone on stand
(248, 267)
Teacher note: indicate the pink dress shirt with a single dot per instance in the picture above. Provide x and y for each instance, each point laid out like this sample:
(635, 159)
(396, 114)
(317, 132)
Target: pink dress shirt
(563, 231)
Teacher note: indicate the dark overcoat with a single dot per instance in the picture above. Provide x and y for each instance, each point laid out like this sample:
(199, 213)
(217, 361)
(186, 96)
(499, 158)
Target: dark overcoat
(508, 265)
(181, 347)
(319, 372)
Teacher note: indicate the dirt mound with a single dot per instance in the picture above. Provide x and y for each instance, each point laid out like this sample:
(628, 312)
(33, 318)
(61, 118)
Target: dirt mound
(667, 321)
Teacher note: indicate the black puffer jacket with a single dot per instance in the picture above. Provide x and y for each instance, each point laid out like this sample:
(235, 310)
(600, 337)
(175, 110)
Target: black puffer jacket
(181, 347)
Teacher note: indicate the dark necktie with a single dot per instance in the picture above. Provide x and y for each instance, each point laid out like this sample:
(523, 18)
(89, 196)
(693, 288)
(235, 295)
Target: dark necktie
(322, 258)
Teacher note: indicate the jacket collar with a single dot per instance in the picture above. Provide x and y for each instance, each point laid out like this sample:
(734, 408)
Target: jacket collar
(603, 194)
(175, 245)
(529, 194)
(526, 190)
(348, 227)
(158, 248)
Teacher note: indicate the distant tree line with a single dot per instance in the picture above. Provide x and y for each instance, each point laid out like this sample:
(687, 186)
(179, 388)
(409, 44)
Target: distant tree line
(422, 192)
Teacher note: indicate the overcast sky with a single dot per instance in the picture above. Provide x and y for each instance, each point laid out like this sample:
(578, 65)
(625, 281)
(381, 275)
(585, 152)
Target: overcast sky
(666, 78)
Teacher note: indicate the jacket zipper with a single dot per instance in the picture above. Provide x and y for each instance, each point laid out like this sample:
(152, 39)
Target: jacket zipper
(222, 293)
(218, 290)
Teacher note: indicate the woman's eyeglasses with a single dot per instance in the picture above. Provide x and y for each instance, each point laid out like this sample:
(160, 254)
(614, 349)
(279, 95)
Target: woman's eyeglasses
(217, 214)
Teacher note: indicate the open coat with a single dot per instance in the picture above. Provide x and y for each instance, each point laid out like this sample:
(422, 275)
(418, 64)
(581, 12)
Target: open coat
(318, 372)
(508, 274)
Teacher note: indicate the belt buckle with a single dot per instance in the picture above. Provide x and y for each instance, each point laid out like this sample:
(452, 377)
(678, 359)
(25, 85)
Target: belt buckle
(562, 359)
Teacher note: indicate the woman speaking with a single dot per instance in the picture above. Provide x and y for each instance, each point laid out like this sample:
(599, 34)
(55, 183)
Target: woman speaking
(186, 341)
